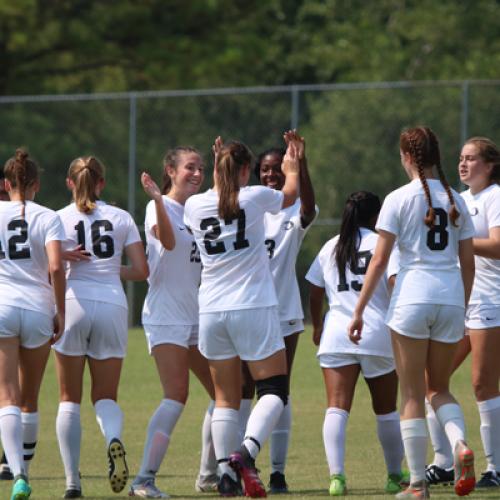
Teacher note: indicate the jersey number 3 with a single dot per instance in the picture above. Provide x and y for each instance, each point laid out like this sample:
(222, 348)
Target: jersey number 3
(102, 244)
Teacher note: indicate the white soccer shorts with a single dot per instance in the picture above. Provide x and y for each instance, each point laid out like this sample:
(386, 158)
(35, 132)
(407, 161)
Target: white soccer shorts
(34, 328)
(95, 329)
(371, 366)
(442, 323)
(251, 334)
(181, 335)
(482, 316)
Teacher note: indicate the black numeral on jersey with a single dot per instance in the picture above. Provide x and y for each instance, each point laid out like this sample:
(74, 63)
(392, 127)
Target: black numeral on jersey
(195, 254)
(437, 237)
(271, 245)
(213, 224)
(16, 253)
(362, 262)
(103, 245)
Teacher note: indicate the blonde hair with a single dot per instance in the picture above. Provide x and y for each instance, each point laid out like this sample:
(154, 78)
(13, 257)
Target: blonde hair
(85, 173)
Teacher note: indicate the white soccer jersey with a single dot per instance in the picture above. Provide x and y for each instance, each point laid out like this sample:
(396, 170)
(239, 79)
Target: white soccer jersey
(174, 275)
(429, 271)
(104, 233)
(484, 208)
(24, 271)
(342, 298)
(284, 235)
(235, 272)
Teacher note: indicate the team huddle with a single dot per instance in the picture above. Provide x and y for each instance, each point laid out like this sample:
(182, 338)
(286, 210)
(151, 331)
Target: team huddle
(404, 280)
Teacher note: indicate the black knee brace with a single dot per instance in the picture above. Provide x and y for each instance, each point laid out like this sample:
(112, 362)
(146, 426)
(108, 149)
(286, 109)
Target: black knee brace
(277, 385)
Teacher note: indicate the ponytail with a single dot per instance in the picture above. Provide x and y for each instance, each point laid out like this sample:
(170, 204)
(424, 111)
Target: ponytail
(231, 159)
(22, 173)
(171, 159)
(85, 173)
(360, 210)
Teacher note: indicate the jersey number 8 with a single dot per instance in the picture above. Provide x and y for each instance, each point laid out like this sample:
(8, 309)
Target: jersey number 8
(437, 237)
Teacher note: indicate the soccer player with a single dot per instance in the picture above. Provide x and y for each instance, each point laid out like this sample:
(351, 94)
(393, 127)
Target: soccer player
(98, 235)
(284, 233)
(339, 269)
(433, 231)
(170, 316)
(479, 169)
(238, 307)
(32, 309)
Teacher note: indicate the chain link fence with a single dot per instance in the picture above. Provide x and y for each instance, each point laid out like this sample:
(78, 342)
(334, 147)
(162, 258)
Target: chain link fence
(351, 131)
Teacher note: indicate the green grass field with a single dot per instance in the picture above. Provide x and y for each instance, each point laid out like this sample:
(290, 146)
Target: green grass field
(307, 471)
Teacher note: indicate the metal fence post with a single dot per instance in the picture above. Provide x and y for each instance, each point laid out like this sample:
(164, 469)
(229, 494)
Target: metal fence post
(294, 122)
(132, 137)
(464, 126)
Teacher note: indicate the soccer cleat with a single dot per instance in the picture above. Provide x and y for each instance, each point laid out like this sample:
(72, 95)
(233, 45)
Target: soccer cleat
(437, 475)
(396, 482)
(337, 485)
(228, 487)
(21, 489)
(417, 490)
(489, 479)
(73, 493)
(244, 465)
(205, 484)
(5, 472)
(277, 483)
(147, 489)
(118, 470)
(465, 479)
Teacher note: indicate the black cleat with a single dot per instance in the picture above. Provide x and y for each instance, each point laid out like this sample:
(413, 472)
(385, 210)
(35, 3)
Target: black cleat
(489, 479)
(73, 493)
(118, 470)
(228, 487)
(277, 483)
(437, 475)
(5, 472)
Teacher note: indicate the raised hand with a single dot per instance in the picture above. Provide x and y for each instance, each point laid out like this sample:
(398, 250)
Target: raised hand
(217, 146)
(290, 163)
(150, 186)
(300, 143)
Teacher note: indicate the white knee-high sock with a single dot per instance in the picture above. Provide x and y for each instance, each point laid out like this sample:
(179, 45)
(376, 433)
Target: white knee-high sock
(110, 419)
(389, 435)
(451, 418)
(243, 416)
(334, 433)
(443, 455)
(30, 434)
(69, 436)
(489, 413)
(414, 434)
(160, 428)
(208, 462)
(225, 437)
(11, 433)
(280, 438)
(262, 421)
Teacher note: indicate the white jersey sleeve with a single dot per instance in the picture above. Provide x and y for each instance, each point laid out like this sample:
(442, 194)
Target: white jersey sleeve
(484, 209)
(342, 297)
(174, 276)
(24, 273)
(104, 233)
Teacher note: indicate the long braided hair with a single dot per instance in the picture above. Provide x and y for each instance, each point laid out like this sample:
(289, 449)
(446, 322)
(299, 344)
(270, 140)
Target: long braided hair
(422, 145)
(22, 172)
